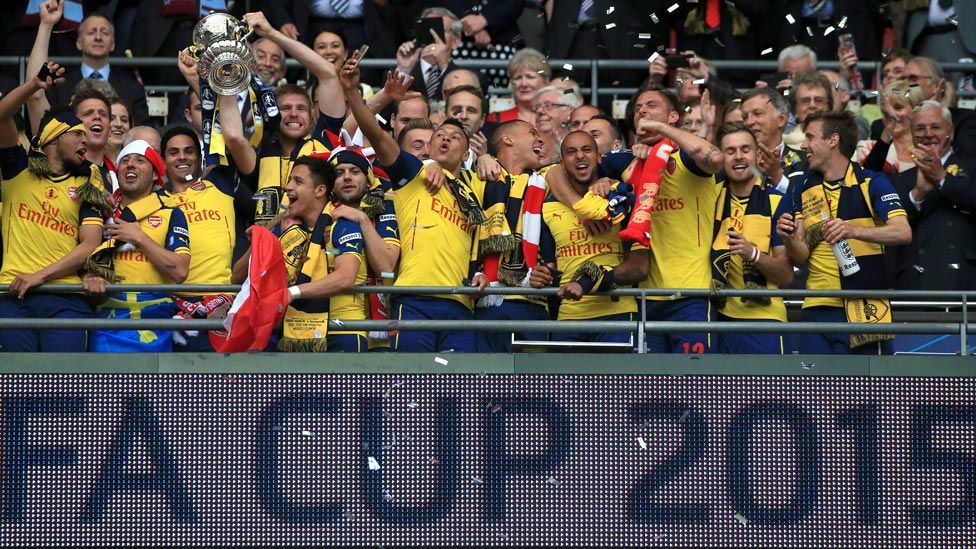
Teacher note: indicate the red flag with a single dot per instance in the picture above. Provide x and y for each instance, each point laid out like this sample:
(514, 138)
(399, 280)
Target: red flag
(646, 178)
(261, 304)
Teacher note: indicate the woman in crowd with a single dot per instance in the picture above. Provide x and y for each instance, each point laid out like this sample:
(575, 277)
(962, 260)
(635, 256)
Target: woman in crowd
(119, 124)
(892, 152)
(528, 71)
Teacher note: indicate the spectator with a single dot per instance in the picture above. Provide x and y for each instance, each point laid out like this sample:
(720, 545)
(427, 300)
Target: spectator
(428, 64)
(358, 22)
(939, 195)
(119, 124)
(527, 71)
(193, 113)
(466, 104)
(795, 60)
(414, 137)
(605, 132)
(746, 251)
(581, 115)
(144, 133)
(332, 48)
(96, 43)
(270, 59)
(569, 86)
(765, 112)
(936, 30)
(814, 18)
(733, 112)
(831, 207)
(149, 244)
(841, 96)
(552, 109)
(893, 152)
(490, 32)
(588, 263)
(407, 111)
(443, 223)
(811, 94)
(49, 244)
(928, 74)
(460, 77)
(892, 68)
(691, 119)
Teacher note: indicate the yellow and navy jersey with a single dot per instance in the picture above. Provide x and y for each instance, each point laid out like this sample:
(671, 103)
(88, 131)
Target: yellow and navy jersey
(575, 245)
(387, 226)
(824, 273)
(736, 307)
(208, 206)
(435, 239)
(682, 222)
(166, 227)
(273, 167)
(41, 217)
(346, 238)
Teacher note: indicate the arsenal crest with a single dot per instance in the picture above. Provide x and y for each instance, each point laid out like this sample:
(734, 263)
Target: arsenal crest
(672, 166)
(155, 221)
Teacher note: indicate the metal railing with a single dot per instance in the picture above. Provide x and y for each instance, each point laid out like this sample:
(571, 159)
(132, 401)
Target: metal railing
(640, 326)
(593, 89)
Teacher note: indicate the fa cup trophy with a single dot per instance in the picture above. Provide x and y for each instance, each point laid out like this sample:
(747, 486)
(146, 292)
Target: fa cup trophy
(223, 56)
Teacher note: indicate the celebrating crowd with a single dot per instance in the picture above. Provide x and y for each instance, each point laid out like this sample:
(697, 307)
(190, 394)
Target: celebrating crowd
(333, 177)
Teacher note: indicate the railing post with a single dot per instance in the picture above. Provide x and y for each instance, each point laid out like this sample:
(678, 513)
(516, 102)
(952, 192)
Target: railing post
(594, 82)
(964, 330)
(641, 324)
(22, 68)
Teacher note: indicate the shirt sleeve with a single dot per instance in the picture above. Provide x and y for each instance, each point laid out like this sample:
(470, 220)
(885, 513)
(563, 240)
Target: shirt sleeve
(386, 224)
(615, 164)
(785, 207)
(178, 235)
(884, 198)
(404, 169)
(13, 160)
(347, 238)
(326, 124)
(690, 164)
(89, 215)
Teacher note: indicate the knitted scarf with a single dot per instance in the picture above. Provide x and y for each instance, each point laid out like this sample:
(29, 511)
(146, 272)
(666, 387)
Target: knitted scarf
(306, 321)
(264, 111)
(646, 176)
(525, 214)
(101, 261)
(756, 221)
(853, 206)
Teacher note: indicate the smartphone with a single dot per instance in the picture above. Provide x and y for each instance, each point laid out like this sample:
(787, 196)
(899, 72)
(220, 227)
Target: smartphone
(774, 78)
(45, 73)
(424, 26)
(677, 61)
(361, 52)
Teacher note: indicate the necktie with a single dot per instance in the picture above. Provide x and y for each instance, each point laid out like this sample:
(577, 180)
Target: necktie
(712, 17)
(587, 11)
(433, 81)
(96, 75)
(340, 7)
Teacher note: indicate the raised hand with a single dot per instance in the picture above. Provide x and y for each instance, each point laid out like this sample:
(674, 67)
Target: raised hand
(188, 66)
(397, 86)
(407, 56)
(349, 76)
(257, 22)
(54, 77)
(51, 12)
(437, 53)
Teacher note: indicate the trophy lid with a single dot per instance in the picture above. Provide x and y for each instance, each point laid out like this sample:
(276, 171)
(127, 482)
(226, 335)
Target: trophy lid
(216, 27)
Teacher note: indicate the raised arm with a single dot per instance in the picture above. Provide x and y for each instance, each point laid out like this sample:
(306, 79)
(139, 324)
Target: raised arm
(50, 12)
(706, 155)
(232, 130)
(188, 67)
(396, 88)
(13, 101)
(383, 143)
(328, 93)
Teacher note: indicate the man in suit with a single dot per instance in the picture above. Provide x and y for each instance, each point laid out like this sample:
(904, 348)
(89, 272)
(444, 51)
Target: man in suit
(927, 73)
(939, 195)
(930, 31)
(358, 22)
(96, 42)
(429, 64)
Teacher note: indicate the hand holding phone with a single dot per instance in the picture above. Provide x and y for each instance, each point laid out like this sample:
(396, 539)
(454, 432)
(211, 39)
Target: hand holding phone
(360, 53)
(424, 26)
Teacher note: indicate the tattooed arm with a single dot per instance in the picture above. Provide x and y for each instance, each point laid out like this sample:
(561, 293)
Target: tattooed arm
(707, 156)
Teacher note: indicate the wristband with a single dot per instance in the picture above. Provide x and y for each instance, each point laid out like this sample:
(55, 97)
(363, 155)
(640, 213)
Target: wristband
(756, 254)
(294, 292)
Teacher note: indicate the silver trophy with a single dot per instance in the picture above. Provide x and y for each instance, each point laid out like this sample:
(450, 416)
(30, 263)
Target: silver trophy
(223, 56)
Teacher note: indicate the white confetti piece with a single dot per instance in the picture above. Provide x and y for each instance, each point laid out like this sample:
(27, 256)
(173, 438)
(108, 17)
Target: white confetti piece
(644, 36)
(306, 433)
(380, 118)
(829, 30)
(387, 496)
(843, 22)
(611, 25)
(372, 463)
(188, 177)
(653, 56)
(953, 20)
(789, 18)
(954, 266)
(338, 322)
(684, 416)
(673, 7)
(699, 82)
(741, 518)
(654, 18)
(807, 365)
(610, 10)
(386, 274)
(412, 405)
(809, 31)
(494, 408)
(767, 51)
(553, 480)
(441, 361)
(477, 480)
(676, 295)
(568, 67)
(643, 445)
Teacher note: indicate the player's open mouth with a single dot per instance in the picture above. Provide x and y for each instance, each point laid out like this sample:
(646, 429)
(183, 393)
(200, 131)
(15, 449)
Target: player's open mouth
(537, 151)
(582, 165)
(96, 128)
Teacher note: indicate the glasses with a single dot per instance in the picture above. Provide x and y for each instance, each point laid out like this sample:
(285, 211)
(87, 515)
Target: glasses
(547, 106)
(914, 78)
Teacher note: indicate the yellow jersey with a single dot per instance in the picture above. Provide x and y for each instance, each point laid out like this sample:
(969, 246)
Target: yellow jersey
(166, 227)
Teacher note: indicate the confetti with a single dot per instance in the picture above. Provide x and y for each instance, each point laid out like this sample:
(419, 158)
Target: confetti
(699, 82)
(568, 67)
(843, 22)
(441, 361)
(477, 480)
(643, 445)
(676, 295)
(433, 461)
(767, 51)
(494, 408)
(554, 481)
(386, 275)
(338, 322)
(387, 496)
(807, 365)
(954, 266)
(349, 515)
(789, 18)
(684, 416)
(673, 7)
(829, 30)
(380, 118)
(688, 108)
(644, 36)
(610, 25)
(188, 177)
(809, 31)
(741, 518)
(653, 56)
(306, 433)
(615, 83)
(654, 18)
(372, 463)
(610, 10)
(953, 20)
(413, 405)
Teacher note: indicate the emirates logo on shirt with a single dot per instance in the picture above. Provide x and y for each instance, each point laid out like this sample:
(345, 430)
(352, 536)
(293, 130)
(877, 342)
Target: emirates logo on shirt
(155, 221)
(73, 193)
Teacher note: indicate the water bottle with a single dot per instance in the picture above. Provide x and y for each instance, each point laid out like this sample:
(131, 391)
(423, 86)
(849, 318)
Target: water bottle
(844, 254)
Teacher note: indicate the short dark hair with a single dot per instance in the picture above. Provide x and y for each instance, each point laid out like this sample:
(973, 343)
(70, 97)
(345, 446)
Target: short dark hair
(841, 123)
(467, 89)
(320, 169)
(614, 128)
(893, 55)
(730, 128)
(176, 130)
(85, 93)
(813, 80)
(456, 123)
(416, 124)
(99, 14)
(501, 130)
(581, 132)
(667, 93)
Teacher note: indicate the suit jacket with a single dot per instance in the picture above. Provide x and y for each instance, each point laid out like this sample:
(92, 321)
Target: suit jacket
(965, 16)
(628, 19)
(420, 85)
(964, 139)
(501, 15)
(863, 22)
(129, 90)
(377, 20)
(942, 254)
(721, 44)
